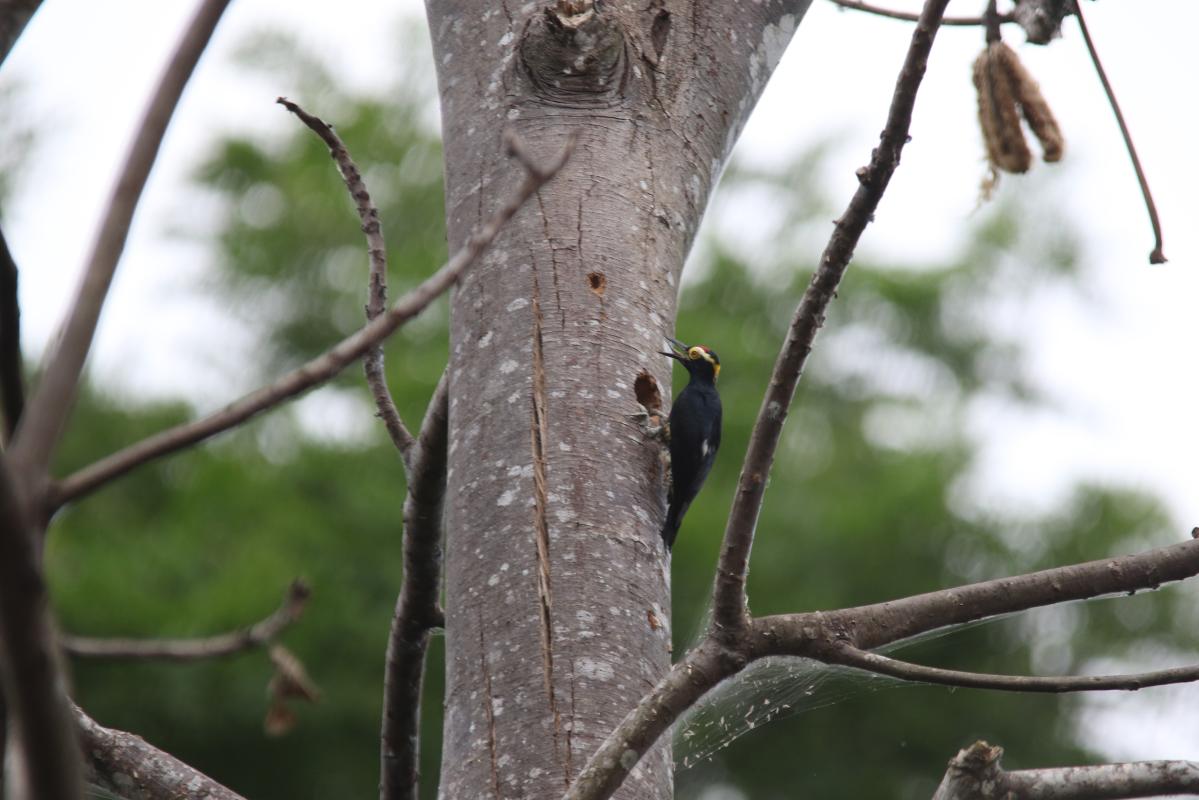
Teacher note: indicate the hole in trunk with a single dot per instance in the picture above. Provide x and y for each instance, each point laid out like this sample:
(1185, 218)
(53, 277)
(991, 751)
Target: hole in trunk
(659, 31)
(598, 283)
(648, 393)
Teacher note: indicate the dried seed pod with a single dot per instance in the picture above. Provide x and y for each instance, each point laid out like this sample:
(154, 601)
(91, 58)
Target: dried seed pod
(998, 116)
(289, 681)
(1033, 105)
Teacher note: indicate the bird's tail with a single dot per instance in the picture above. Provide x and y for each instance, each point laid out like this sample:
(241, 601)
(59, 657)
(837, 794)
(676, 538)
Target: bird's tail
(670, 528)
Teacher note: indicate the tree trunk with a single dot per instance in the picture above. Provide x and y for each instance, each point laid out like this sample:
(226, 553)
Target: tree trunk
(558, 584)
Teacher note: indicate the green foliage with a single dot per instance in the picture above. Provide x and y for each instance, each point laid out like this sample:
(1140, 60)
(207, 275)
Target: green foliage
(865, 503)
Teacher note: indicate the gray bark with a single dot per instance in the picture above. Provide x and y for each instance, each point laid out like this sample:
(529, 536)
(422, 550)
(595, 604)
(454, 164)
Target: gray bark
(558, 585)
(126, 766)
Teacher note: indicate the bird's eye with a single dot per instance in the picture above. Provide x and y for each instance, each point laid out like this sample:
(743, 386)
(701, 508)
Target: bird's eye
(695, 353)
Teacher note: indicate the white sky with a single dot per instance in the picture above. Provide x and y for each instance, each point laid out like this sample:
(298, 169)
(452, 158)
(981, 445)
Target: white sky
(1122, 369)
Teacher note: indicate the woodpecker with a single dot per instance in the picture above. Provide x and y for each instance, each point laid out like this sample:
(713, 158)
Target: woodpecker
(694, 431)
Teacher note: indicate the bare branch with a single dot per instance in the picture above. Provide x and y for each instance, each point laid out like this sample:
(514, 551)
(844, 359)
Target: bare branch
(1156, 256)
(12, 381)
(975, 773)
(319, 369)
(868, 627)
(729, 602)
(857, 5)
(33, 685)
(132, 769)
(1136, 779)
(258, 635)
(51, 402)
(905, 670)
(14, 16)
(376, 302)
(418, 608)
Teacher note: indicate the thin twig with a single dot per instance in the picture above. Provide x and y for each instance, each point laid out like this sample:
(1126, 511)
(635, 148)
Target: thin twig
(376, 304)
(905, 670)
(51, 402)
(39, 714)
(857, 5)
(992, 22)
(418, 609)
(114, 756)
(259, 634)
(319, 369)
(12, 381)
(729, 601)
(1156, 256)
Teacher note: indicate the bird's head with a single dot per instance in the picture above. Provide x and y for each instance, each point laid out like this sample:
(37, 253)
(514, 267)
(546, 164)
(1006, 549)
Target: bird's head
(700, 361)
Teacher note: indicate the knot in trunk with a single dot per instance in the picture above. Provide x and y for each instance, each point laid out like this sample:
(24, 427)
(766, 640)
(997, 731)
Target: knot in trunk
(574, 55)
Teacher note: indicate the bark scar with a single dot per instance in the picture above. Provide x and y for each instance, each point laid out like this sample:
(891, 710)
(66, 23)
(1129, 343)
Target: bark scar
(570, 731)
(545, 224)
(538, 436)
(489, 707)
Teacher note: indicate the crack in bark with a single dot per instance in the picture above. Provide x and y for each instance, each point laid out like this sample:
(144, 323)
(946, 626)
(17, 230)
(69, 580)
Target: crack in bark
(659, 33)
(545, 224)
(570, 730)
(489, 707)
(539, 435)
(579, 224)
(479, 198)
(656, 212)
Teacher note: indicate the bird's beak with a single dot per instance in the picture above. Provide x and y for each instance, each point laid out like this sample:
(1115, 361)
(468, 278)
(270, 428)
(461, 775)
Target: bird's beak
(677, 345)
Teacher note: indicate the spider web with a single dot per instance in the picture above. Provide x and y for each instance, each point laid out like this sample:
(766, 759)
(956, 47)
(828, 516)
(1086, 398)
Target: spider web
(777, 687)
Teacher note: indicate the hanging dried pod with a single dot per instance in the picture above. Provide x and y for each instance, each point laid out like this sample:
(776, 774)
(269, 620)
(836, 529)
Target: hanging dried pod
(1007, 91)
(1033, 105)
(289, 681)
(998, 115)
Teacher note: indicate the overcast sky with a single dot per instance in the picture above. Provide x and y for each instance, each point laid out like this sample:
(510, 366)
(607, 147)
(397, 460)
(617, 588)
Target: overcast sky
(1121, 368)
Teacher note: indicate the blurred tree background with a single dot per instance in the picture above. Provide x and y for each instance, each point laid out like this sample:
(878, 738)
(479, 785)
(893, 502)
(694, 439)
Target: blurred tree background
(870, 497)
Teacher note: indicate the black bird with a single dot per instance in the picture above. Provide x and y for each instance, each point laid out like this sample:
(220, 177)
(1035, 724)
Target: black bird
(694, 431)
